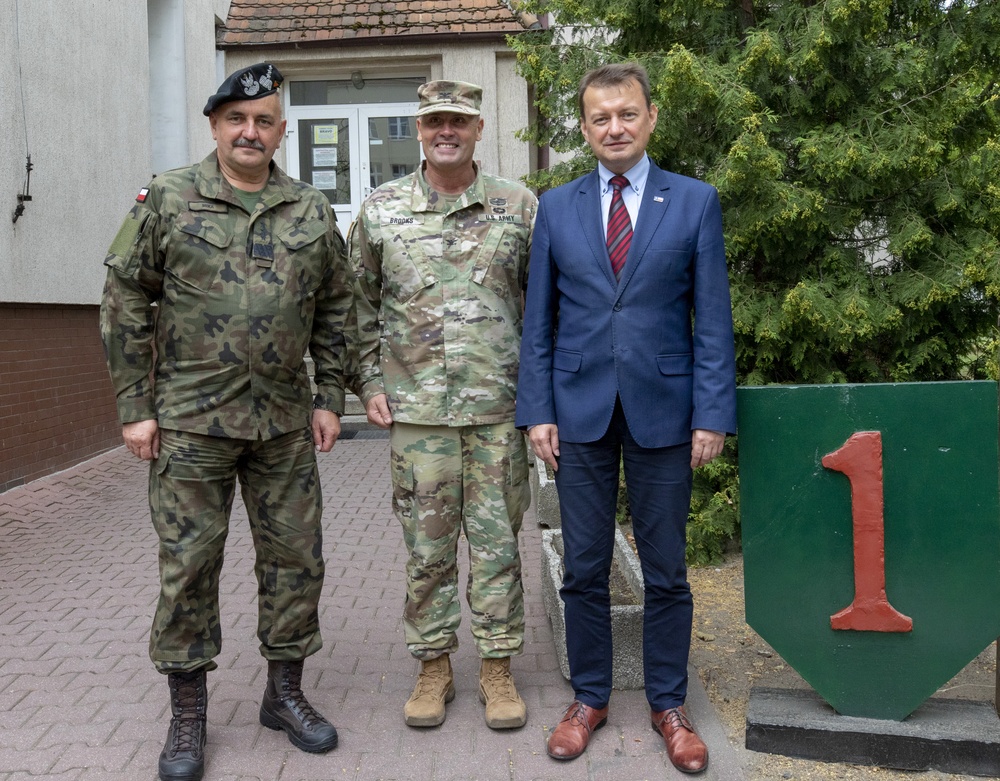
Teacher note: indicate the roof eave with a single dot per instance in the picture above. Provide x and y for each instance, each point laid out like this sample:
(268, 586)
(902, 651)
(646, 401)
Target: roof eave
(380, 40)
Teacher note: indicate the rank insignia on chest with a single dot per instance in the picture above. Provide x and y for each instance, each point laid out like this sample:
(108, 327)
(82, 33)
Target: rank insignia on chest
(262, 250)
(143, 194)
(263, 255)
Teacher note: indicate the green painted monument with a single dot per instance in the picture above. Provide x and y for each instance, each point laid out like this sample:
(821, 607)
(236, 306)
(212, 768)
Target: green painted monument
(871, 535)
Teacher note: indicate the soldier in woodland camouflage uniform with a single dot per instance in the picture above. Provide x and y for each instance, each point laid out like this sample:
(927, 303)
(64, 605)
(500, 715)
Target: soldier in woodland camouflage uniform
(220, 278)
(442, 258)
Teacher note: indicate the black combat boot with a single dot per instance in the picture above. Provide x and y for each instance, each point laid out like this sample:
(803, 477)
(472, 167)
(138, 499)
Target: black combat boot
(183, 755)
(286, 707)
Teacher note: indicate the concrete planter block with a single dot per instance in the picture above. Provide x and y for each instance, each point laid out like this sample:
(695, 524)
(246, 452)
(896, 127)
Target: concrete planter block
(544, 496)
(626, 620)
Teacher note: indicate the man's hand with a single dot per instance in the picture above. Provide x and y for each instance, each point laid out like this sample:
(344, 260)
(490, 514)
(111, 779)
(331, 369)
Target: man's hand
(142, 439)
(705, 445)
(325, 428)
(378, 411)
(544, 440)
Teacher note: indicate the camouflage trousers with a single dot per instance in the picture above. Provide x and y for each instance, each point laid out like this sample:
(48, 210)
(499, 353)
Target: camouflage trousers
(191, 489)
(447, 480)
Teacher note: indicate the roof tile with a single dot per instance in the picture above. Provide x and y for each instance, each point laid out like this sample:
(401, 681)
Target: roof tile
(286, 21)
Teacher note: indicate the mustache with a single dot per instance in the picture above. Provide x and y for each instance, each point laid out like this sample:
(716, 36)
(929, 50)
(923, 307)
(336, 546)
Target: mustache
(248, 143)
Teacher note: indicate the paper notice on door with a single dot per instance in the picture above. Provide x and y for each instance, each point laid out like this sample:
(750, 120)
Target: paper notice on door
(325, 180)
(324, 134)
(324, 156)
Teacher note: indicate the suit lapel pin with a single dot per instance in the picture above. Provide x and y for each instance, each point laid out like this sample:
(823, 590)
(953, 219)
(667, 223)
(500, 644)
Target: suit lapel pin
(658, 198)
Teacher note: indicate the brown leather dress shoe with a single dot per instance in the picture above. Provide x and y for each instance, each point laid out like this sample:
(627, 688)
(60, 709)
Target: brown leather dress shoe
(686, 750)
(570, 737)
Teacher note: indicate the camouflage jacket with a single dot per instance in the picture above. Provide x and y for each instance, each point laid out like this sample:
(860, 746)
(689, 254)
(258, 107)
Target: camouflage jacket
(227, 302)
(439, 303)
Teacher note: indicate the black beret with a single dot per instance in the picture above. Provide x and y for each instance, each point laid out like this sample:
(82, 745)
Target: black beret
(257, 81)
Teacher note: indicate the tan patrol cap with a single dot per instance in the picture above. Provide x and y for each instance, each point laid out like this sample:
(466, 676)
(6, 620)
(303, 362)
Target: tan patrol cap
(457, 97)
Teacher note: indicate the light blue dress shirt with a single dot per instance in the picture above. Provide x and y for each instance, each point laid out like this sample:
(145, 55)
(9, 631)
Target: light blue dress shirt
(632, 195)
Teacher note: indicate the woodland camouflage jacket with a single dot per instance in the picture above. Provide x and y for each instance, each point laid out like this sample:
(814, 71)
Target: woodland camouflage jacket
(228, 302)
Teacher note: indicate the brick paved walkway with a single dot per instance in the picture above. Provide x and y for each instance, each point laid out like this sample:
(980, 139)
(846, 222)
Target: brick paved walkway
(79, 700)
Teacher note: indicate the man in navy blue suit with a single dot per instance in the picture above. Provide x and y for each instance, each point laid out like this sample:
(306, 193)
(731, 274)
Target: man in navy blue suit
(627, 353)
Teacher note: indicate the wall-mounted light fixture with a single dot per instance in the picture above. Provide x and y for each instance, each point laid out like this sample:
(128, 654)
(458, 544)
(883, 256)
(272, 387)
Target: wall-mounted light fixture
(358, 80)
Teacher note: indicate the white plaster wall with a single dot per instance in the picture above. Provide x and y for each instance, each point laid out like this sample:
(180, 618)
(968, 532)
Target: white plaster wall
(11, 129)
(505, 101)
(168, 100)
(185, 71)
(512, 116)
(83, 69)
(471, 63)
(204, 69)
(85, 125)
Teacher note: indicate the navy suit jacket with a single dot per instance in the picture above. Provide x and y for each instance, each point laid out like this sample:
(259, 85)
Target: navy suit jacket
(661, 339)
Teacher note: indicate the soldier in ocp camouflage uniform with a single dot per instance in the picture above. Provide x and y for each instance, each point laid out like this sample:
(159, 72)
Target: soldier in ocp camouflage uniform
(220, 278)
(442, 258)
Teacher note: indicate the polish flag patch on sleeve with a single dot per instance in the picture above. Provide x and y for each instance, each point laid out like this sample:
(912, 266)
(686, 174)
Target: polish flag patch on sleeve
(141, 197)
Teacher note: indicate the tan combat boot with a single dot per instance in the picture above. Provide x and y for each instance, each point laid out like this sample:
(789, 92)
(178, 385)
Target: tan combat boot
(504, 707)
(435, 686)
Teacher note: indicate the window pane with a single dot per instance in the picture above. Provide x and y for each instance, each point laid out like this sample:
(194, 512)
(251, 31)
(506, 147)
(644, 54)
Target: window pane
(393, 149)
(345, 92)
(325, 157)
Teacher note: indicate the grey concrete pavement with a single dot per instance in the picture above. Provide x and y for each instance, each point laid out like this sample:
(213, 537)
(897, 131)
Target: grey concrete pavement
(79, 700)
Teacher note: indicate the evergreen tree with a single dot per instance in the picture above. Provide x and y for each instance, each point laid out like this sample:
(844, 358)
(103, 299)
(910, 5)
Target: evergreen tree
(856, 151)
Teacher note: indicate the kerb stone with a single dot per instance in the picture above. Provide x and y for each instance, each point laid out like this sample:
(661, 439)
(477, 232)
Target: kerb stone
(953, 736)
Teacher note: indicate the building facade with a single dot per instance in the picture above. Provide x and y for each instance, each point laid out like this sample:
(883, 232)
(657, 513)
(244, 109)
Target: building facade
(95, 128)
(351, 73)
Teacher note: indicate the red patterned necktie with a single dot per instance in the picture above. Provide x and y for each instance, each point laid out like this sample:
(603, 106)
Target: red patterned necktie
(619, 227)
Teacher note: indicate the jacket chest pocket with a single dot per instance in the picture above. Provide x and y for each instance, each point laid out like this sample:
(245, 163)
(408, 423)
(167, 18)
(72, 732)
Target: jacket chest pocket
(406, 270)
(500, 262)
(298, 257)
(201, 256)
(297, 272)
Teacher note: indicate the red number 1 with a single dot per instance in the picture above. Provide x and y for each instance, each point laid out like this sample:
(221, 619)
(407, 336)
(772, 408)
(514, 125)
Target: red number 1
(860, 458)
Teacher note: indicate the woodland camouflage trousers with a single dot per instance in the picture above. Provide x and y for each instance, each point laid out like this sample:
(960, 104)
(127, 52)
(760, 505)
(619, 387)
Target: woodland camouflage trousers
(191, 489)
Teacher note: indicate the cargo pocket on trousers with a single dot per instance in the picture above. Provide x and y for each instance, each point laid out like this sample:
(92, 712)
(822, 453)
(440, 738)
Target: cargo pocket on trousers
(517, 492)
(163, 500)
(402, 486)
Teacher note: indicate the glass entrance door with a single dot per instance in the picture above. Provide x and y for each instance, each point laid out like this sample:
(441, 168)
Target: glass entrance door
(347, 151)
(321, 145)
(392, 150)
